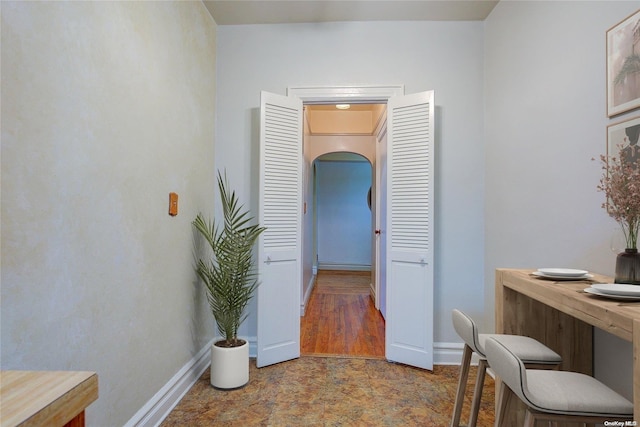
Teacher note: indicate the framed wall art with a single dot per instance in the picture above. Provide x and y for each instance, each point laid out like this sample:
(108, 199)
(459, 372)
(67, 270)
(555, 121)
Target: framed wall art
(622, 140)
(623, 65)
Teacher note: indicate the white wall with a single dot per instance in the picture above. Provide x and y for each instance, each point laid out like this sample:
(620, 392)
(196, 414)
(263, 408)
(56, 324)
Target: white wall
(344, 218)
(545, 120)
(444, 56)
(106, 108)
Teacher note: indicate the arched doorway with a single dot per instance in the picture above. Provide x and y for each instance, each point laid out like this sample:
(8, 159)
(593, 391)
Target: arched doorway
(342, 217)
(340, 317)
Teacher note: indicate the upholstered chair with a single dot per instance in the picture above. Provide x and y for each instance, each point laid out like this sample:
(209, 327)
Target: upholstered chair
(532, 352)
(553, 395)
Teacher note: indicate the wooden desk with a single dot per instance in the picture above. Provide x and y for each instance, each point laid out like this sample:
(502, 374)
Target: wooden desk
(45, 398)
(562, 316)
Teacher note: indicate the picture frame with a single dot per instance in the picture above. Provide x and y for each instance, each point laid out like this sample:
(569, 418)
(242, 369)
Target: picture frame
(623, 139)
(623, 65)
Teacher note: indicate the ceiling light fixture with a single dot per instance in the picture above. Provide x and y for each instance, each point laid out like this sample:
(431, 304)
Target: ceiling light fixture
(343, 106)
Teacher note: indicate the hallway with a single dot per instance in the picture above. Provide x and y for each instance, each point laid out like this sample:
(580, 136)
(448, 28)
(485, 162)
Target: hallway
(340, 319)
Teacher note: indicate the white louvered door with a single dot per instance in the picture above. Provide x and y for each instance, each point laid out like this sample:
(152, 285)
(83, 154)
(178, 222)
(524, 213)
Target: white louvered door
(279, 253)
(409, 321)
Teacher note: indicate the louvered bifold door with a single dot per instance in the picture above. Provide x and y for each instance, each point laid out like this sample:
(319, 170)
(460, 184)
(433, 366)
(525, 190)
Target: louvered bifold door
(409, 326)
(279, 254)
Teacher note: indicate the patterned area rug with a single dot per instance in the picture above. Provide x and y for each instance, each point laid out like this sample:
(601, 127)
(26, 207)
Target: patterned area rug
(313, 391)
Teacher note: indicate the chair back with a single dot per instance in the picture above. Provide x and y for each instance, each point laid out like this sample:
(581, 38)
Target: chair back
(507, 366)
(467, 330)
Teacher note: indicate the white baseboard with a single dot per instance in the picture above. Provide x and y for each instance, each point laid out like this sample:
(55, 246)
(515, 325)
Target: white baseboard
(450, 353)
(307, 295)
(444, 353)
(344, 267)
(161, 404)
(253, 345)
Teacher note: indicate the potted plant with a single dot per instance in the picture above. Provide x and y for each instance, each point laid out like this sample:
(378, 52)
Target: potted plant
(230, 278)
(620, 183)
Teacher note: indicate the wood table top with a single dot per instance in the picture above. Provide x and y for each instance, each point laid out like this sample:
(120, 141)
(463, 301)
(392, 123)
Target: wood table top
(614, 316)
(38, 398)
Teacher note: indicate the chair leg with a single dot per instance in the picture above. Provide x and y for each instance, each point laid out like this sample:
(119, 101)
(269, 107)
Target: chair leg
(529, 419)
(477, 393)
(462, 385)
(502, 404)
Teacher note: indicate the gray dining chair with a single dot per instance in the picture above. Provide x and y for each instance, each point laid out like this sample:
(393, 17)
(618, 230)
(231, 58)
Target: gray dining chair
(534, 354)
(554, 395)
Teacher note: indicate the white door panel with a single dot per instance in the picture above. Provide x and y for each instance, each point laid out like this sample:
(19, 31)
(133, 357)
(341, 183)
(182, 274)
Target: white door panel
(406, 305)
(277, 332)
(280, 248)
(409, 327)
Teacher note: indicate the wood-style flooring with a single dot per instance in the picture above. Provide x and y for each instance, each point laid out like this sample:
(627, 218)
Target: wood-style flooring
(341, 319)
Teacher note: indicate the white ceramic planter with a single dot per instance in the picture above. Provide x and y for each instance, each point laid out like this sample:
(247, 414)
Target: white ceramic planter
(229, 366)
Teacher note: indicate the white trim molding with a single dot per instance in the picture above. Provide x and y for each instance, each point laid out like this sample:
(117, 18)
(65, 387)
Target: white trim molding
(344, 267)
(346, 94)
(161, 404)
(450, 353)
(307, 294)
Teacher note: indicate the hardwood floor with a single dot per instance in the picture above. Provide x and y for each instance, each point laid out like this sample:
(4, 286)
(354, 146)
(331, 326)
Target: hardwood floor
(341, 319)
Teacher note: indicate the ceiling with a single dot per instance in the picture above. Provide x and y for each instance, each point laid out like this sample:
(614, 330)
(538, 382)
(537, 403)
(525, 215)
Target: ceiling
(242, 12)
(358, 119)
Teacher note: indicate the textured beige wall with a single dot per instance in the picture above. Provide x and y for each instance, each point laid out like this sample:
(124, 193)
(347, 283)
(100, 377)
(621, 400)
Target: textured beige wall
(106, 108)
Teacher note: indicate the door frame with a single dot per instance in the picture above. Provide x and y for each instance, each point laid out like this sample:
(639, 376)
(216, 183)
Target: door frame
(345, 94)
(371, 94)
(379, 246)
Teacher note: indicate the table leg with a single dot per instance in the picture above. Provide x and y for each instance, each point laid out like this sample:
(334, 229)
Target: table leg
(636, 370)
(77, 421)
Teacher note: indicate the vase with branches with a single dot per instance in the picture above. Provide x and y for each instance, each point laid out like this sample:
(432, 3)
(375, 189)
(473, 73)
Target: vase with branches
(620, 183)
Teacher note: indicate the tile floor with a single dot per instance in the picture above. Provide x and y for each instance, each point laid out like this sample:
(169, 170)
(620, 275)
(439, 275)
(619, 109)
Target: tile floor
(330, 391)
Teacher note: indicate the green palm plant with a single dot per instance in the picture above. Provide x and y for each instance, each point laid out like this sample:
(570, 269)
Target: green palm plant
(229, 275)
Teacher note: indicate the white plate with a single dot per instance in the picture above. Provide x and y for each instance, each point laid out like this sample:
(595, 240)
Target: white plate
(563, 272)
(593, 291)
(558, 278)
(618, 289)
